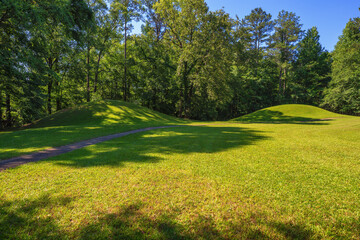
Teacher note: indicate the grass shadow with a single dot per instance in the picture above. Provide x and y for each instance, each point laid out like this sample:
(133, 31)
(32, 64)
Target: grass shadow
(81, 123)
(269, 116)
(142, 147)
(20, 220)
(130, 223)
(104, 113)
(292, 231)
(36, 219)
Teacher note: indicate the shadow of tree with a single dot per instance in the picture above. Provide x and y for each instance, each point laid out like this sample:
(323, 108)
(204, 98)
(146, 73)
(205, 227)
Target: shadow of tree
(130, 223)
(141, 147)
(269, 116)
(81, 123)
(105, 112)
(292, 231)
(19, 220)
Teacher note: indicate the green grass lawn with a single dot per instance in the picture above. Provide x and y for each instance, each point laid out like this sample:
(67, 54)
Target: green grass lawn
(229, 180)
(80, 123)
(289, 113)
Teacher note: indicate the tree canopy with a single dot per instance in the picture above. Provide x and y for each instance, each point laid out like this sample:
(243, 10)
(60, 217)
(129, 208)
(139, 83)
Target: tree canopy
(187, 61)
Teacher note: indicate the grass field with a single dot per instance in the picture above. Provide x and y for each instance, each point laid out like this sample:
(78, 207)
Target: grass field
(80, 123)
(283, 178)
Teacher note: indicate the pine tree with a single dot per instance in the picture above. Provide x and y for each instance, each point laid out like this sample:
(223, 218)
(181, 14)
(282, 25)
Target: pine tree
(285, 38)
(312, 69)
(259, 25)
(127, 11)
(343, 94)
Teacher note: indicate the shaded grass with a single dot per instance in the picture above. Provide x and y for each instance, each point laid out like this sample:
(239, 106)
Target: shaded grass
(224, 181)
(80, 123)
(289, 113)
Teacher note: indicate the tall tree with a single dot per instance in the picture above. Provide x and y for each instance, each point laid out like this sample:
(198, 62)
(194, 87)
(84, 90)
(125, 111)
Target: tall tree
(194, 35)
(96, 39)
(312, 69)
(127, 11)
(285, 38)
(253, 71)
(154, 20)
(156, 86)
(343, 94)
(26, 55)
(260, 26)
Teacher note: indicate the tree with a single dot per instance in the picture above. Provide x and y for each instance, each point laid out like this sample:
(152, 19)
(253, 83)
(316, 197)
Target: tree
(284, 40)
(253, 79)
(126, 11)
(196, 38)
(260, 26)
(343, 93)
(27, 47)
(62, 29)
(154, 20)
(155, 86)
(312, 69)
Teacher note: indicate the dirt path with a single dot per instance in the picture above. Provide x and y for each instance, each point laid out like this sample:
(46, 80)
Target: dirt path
(52, 152)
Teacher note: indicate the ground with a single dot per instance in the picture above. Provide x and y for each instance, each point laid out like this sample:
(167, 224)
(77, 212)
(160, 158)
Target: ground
(293, 177)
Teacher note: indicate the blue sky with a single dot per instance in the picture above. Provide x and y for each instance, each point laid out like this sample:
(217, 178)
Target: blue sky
(329, 16)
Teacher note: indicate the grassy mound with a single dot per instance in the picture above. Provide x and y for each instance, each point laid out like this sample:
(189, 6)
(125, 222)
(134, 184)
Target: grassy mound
(222, 181)
(288, 113)
(80, 123)
(104, 113)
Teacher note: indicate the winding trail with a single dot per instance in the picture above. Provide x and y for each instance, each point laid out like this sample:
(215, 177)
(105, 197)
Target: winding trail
(52, 152)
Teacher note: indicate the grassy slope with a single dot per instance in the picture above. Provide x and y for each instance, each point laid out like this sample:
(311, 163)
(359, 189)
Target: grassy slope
(288, 113)
(224, 181)
(79, 123)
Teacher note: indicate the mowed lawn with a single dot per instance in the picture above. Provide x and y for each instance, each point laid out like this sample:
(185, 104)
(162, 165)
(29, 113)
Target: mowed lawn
(223, 181)
(82, 122)
(227, 180)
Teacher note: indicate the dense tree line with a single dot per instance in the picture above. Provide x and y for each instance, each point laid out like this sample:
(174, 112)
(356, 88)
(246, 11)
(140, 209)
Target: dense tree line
(188, 61)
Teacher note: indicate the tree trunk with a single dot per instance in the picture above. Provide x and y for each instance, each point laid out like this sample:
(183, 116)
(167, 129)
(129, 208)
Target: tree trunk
(49, 96)
(97, 71)
(284, 82)
(58, 97)
(186, 91)
(88, 74)
(1, 113)
(50, 63)
(125, 63)
(8, 110)
(280, 81)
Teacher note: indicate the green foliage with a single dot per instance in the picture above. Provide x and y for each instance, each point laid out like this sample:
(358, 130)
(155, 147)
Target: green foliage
(311, 70)
(284, 42)
(200, 42)
(34, 36)
(254, 75)
(343, 94)
(188, 61)
(260, 26)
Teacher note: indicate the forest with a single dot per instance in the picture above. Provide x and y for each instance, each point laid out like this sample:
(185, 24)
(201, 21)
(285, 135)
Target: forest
(187, 61)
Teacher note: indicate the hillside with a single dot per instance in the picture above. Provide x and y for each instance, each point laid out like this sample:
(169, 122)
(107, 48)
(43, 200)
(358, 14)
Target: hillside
(289, 113)
(223, 180)
(80, 123)
(105, 113)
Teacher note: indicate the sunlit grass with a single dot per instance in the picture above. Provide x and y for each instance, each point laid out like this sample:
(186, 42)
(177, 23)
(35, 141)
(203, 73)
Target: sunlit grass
(80, 123)
(289, 113)
(224, 181)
